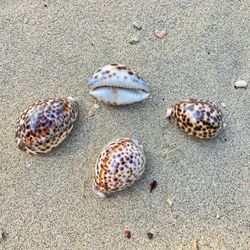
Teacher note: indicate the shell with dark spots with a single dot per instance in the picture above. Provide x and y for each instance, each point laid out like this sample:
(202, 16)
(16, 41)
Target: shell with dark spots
(119, 165)
(45, 124)
(198, 118)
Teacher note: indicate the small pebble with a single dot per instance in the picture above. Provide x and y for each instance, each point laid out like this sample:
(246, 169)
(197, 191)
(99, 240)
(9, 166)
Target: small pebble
(223, 105)
(91, 113)
(134, 40)
(240, 84)
(150, 235)
(195, 245)
(26, 20)
(137, 26)
(170, 202)
(218, 216)
(127, 234)
(96, 106)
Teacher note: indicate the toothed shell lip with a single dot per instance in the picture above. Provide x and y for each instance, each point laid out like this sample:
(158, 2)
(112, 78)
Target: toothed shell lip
(144, 86)
(134, 81)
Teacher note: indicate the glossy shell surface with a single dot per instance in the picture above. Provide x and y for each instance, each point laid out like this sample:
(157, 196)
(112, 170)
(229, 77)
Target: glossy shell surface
(116, 84)
(119, 165)
(45, 124)
(201, 119)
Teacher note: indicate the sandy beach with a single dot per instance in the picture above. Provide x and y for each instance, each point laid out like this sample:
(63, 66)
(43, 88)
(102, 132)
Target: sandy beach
(51, 49)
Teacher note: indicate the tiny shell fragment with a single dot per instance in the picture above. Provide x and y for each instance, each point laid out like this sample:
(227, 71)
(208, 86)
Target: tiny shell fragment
(201, 119)
(241, 84)
(195, 245)
(45, 124)
(160, 34)
(137, 25)
(170, 202)
(134, 40)
(119, 165)
(218, 216)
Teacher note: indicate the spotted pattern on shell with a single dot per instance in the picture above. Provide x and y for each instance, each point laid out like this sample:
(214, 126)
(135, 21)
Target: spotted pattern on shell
(201, 119)
(116, 84)
(119, 165)
(45, 124)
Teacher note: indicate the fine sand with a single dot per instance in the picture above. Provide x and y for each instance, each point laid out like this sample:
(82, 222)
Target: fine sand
(51, 49)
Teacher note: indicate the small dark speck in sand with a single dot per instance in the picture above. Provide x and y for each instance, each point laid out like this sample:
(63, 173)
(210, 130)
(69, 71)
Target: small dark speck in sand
(152, 185)
(127, 234)
(150, 235)
(45, 5)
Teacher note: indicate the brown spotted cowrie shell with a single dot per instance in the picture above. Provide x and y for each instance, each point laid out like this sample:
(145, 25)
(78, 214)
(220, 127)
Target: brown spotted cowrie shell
(119, 165)
(45, 124)
(198, 118)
